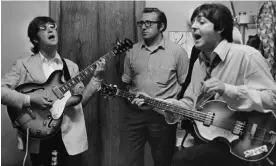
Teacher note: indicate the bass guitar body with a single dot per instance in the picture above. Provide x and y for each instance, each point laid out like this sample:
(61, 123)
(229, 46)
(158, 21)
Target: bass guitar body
(251, 136)
(42, 124)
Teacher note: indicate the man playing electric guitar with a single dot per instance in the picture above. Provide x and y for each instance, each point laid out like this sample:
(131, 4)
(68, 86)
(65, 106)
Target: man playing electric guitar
(72, 138)
(236, 74)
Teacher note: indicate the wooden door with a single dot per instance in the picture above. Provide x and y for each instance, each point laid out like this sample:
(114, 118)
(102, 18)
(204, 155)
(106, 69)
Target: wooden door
(88, 30)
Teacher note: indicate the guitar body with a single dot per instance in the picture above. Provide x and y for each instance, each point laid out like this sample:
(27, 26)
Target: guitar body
(251, 136)
(46, 123)
(256, 141)
(41, 123)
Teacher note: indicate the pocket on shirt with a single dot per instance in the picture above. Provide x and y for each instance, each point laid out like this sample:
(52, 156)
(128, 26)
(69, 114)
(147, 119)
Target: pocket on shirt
(162, 75)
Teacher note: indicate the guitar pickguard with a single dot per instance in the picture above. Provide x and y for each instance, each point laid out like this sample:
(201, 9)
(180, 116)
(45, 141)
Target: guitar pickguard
(59, 105)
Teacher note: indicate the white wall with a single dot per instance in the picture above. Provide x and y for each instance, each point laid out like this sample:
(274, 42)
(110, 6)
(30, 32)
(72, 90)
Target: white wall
(177, 12)
(15, 18)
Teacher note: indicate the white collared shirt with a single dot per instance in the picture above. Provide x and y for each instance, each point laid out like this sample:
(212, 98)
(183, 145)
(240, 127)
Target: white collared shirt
(248, 82)
(49, 66)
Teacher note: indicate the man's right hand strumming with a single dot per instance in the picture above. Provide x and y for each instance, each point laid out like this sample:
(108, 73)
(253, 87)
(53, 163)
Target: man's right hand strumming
(40, 102)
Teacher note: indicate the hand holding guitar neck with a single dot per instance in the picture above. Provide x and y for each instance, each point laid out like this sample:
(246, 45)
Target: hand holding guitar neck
(99, 69)
(251, 136)
(50, 99)
(139, 100)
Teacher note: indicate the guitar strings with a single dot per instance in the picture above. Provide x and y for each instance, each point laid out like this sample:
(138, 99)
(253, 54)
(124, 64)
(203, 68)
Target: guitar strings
(201, 116)
(218, 119)
(82, 74)
(230, 124)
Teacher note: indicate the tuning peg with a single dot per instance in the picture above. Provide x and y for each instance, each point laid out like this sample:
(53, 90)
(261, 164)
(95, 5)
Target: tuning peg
(128, 43)
(119, 42)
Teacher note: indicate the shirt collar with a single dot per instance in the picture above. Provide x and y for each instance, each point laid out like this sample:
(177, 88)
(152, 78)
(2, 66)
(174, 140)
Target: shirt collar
(56, 59)
(221, 50)
(161, 45)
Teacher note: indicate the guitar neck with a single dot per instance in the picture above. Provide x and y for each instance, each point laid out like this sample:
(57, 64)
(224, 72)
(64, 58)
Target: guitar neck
(88, 71)
(193, 114)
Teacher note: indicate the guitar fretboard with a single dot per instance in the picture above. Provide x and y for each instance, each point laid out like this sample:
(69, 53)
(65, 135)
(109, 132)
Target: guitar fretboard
(196, 115)
(88, 71)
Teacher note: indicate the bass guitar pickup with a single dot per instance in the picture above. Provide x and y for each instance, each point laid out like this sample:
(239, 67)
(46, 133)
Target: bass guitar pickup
(58, 92)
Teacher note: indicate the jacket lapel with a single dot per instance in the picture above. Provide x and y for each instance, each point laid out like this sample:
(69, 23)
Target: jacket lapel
(34, 67)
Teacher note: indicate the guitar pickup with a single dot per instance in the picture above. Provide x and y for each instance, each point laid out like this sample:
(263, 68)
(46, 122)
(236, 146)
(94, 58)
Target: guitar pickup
(58, 92)
(238, 129)
(273, 137)
(209, 119)
(253, 130)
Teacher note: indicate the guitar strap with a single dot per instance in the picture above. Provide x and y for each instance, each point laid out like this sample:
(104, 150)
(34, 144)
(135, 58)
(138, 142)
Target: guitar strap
(65, 71)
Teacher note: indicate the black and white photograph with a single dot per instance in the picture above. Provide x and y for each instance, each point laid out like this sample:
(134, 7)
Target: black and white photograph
(138, 83)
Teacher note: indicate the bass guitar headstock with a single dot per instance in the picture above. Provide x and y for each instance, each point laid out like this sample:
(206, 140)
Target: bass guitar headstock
(108, 90)
(122, 46)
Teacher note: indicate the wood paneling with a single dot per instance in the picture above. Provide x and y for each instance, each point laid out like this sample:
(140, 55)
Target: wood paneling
(87, 31)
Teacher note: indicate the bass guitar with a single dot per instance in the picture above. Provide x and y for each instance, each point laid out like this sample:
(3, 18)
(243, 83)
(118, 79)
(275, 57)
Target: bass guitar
(251, 136)
(42, 124)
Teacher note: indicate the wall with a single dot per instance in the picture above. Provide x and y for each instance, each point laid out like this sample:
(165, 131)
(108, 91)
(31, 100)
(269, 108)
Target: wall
(15, 44)
(177, 12)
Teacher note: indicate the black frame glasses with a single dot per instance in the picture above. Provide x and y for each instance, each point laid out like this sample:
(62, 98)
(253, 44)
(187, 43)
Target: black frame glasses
(147, 23)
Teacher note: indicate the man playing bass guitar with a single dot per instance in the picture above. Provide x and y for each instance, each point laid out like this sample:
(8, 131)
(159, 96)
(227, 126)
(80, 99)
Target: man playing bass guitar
(71, 140)
(235, 74)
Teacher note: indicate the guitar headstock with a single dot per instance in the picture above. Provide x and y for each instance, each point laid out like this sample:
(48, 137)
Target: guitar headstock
(122, 46)
(108, 90)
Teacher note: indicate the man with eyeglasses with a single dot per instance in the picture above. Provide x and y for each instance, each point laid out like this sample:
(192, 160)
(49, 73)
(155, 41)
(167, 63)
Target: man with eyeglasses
(158, 67)
(237, 80)
(71, 140)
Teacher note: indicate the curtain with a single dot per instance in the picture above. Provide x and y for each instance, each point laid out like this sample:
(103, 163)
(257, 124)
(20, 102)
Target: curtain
(88, 30)
(266, 30)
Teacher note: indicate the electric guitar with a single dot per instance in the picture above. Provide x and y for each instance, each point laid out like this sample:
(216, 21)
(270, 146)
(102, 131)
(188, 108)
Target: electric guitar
(251, 136)
(42, 124)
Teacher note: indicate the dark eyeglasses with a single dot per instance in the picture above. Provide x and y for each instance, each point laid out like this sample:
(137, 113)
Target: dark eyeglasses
(43, 27)
(147, 23)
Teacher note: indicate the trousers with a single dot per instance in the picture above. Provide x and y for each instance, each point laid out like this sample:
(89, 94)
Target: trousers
(149, 126)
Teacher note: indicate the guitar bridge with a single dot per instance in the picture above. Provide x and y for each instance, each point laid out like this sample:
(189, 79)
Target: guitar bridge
(58, 92)
(255, 151)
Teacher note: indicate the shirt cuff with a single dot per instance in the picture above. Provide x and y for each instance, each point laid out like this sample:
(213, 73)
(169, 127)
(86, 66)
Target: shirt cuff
(27, 101)
(96, 79)
(96, 83)
(230, 91)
